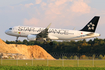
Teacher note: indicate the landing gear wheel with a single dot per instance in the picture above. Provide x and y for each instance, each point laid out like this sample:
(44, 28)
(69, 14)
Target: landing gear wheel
(45, 42)
(51, 43)
(16, 41)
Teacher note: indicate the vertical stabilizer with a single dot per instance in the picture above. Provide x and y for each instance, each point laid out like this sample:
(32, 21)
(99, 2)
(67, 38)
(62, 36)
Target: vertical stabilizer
(91, 26)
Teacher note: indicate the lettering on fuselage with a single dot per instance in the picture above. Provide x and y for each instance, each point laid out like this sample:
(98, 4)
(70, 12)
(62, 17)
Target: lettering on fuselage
(55, 31)
(26, 29)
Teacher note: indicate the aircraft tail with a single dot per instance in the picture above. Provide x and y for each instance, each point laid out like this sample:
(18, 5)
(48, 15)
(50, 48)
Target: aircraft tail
(91, 26)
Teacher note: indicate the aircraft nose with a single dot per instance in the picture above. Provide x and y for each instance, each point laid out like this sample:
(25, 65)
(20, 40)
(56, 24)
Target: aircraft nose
(6, 31)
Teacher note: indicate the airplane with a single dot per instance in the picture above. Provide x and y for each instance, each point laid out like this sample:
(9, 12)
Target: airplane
(45, 34)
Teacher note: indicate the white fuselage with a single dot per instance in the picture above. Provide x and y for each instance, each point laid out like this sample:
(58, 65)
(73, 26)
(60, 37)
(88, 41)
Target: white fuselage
(53, 33)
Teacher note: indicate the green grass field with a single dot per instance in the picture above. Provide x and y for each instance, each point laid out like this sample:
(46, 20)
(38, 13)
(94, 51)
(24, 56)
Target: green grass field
(48, 68)
(54, 63)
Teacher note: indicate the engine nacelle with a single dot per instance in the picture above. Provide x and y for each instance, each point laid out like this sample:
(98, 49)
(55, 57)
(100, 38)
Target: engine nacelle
(31, 37)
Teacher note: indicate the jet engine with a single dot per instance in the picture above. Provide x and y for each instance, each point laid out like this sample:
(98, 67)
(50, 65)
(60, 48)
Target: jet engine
(32, 37)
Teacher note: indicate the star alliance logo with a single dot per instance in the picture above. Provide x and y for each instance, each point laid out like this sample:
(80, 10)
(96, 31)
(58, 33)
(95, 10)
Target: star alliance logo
(91, 26)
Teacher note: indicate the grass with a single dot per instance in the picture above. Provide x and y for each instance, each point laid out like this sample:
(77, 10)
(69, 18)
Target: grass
(54, 63)
(47, 68)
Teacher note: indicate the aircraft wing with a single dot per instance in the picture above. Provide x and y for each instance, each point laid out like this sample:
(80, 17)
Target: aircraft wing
(44, 33)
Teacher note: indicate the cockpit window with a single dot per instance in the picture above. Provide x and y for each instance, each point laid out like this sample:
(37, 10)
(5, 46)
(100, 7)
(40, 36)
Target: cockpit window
(10, 28)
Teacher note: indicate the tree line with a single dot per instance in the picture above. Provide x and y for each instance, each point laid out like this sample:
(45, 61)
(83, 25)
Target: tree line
(95, 46)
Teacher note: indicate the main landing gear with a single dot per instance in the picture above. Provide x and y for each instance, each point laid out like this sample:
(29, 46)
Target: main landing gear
(50, 43)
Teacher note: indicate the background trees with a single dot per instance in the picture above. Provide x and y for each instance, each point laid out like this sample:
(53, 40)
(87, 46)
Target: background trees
(95, 46)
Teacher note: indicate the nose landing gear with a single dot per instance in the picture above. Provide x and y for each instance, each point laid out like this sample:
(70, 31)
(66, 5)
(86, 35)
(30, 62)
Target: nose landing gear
(17, 39)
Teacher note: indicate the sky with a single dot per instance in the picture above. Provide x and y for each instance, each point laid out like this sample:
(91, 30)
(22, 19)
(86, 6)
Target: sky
(65, 14)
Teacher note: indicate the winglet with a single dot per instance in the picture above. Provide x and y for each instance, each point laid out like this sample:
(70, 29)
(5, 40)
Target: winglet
(48, 26)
